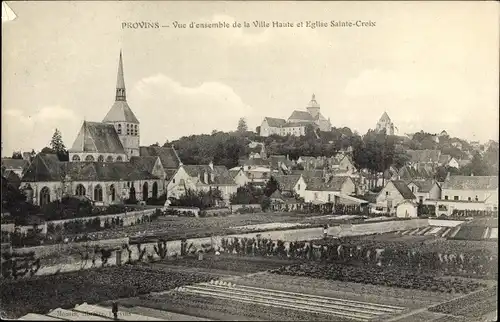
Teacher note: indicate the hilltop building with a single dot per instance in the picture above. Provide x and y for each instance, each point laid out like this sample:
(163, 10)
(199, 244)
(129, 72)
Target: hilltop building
(386, 124)
(297, 122)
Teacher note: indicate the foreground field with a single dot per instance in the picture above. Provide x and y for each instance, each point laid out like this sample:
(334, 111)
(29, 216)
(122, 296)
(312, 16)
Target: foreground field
(43, 293)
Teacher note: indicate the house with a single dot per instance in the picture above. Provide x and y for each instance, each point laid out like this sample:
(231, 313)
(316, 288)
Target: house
(448, 161)
(48, 179)
(15, 165)
(406, 209)
(202, 178)
(239, 176)
(418, 171)
(344, 164)
(424, 157)
(457, 144)
(392, 194)
(256, 151)
(425, 189)
(291, 184)
(168, 157)
(297, 122)
(472, 188)
(257, 170)
(280, 164)
(329, 189)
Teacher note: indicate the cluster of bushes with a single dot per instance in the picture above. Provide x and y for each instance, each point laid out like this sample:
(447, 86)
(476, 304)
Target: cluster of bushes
(426, 210)
(160, 201)
(246, 210)
(474, 213)
(199, 199)
(31, 238)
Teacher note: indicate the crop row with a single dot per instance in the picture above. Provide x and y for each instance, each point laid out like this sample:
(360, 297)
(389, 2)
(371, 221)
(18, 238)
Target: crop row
(379, 276)
(453, 306)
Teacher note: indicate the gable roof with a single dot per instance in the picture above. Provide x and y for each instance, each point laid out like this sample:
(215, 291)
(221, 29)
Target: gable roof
(333, 184)
(287, 182)
(276, 195)
(255, 162)
(417, 156)
(471, 183)
(275, 122)
(168, 156)
(420, 172)
(274, 159)
(444, 158)
(403, 189)
(146, 163)
(14, 164)
(97, 137)
(221, 175)
(235, 172)
(424, 186)
(301, 116)
(44, 167)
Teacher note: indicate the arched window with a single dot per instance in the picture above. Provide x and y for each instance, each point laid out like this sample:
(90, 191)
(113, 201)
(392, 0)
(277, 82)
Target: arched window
(112, 192)
(119, 159)
(80, 190)
(119, 129)
(155, 190)
(135, 130)
(109, 159)
(44, 196)
(100, 159)
(89, 158)
(128, 129)
(477, 198)
(145, 192)
(98, 193)
(75, 158)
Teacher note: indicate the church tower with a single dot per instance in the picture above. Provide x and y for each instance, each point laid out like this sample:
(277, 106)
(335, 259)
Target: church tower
(313, 107)
(122, 117)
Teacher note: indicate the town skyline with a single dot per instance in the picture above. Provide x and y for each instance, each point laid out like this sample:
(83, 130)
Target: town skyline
(62, 85)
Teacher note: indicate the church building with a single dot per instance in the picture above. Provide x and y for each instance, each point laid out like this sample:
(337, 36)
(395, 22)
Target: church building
(105, 163)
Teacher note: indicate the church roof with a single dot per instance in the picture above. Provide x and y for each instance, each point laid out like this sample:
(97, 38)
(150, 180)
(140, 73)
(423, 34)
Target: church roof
(385, 118)
(120, 112)
(168, 156)
(301, 116)
(47, 167)
(97, 137)
(145, 163)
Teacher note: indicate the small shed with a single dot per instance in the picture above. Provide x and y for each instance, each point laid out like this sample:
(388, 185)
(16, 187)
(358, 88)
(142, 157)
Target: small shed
(406, 209)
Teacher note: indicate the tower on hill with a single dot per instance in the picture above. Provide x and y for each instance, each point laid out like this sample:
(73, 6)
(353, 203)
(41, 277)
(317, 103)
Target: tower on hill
(122, 117)
(386, 124)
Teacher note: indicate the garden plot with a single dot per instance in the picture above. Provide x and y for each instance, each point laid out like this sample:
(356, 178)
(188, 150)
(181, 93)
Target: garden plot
(268, 226)
(335, 307)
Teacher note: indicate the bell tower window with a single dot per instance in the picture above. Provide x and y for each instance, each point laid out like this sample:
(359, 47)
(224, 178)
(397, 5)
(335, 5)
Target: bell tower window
(119, 129)
(128, 129)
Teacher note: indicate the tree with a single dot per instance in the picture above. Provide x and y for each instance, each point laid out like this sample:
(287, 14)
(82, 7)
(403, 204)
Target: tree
(242, 125)
(271, 186)
(58, 147)
(17, 155)
(257, 130)
(156, 144)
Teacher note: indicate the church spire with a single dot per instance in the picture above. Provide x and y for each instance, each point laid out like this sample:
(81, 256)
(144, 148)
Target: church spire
(120, 82)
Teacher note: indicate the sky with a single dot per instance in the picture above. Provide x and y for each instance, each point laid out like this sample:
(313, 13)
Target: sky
(431, 66)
